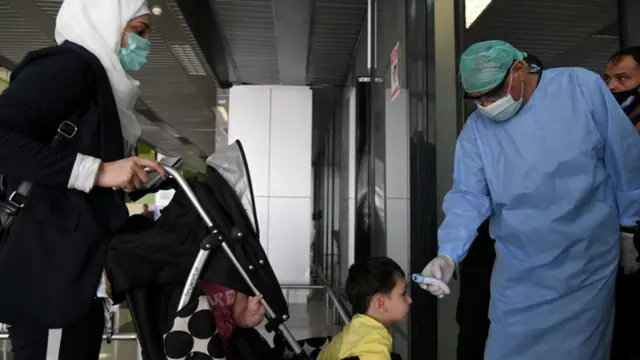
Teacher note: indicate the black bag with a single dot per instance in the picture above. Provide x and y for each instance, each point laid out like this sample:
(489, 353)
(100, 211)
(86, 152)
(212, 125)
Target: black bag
(10, 208)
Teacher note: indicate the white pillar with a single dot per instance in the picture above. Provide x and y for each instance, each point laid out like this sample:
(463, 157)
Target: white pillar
(397, 177)
(274, 125)
(348, 188)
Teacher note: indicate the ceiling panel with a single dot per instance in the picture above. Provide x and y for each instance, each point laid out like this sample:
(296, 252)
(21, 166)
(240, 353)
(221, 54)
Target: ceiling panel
(337, 24)
(166, 87)
(597, 61)
(249, 28)
(17, 36)
(546, 28)
(192, 41)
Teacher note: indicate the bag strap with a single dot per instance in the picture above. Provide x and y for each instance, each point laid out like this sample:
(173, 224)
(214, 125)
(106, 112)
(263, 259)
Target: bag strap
(66, 131)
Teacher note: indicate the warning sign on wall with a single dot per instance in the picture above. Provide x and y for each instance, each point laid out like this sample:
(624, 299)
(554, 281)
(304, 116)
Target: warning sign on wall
(395, 77)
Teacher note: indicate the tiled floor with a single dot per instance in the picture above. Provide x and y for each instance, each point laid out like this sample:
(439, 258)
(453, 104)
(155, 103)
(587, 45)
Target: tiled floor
(307, 320)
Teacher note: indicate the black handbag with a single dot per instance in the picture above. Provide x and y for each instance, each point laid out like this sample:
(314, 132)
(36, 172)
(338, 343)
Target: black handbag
(10, 208)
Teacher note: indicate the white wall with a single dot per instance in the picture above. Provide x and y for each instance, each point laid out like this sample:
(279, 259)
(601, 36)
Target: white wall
(397, 193)
(347, 203)
(397, 177)
(274, 125)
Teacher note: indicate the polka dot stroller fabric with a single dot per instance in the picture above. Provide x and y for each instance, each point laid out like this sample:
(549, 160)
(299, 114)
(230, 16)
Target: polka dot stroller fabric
(193, 335)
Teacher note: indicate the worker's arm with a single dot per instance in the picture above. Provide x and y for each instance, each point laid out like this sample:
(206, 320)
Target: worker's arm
(621, 150)
(467, 204)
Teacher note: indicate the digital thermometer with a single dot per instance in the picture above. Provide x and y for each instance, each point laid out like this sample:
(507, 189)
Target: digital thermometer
(426, 280)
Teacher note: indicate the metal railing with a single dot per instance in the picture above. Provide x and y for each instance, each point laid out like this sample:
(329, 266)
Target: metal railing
(340, 315)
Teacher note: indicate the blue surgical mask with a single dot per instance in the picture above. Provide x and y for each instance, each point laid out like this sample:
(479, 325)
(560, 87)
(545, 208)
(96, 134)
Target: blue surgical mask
(503, 109)
(134, 56)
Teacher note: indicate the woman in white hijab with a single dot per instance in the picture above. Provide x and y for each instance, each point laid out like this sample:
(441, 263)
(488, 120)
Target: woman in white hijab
(116, 32)
(51, 274)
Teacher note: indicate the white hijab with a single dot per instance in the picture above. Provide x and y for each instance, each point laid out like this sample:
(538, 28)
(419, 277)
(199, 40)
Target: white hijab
(98, 25)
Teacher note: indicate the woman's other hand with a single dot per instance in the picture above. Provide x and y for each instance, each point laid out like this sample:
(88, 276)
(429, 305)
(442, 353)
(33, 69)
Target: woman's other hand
(128, 174)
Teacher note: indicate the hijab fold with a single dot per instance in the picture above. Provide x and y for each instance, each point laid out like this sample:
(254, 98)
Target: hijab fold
(98, 26)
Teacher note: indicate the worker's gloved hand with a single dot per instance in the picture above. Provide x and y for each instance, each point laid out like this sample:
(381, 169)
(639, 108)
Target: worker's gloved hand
(441, 268)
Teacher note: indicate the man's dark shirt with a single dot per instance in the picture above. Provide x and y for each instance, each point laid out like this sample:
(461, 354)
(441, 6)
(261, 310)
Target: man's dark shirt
(627, 313)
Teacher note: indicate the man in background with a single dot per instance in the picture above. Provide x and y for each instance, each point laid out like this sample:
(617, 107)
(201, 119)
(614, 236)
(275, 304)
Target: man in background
(622, 75)
(145, 212)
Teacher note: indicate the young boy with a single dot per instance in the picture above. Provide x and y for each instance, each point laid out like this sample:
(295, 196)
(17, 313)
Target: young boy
(377, 290)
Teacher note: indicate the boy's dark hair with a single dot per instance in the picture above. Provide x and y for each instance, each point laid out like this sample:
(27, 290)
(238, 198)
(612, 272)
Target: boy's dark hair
(633, 51)
(377, 275)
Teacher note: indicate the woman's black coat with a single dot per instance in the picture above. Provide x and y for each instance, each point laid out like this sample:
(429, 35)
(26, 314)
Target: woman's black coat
(51, 261)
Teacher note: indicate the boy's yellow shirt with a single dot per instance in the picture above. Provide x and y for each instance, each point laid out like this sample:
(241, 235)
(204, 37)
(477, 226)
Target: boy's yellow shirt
(364, 337)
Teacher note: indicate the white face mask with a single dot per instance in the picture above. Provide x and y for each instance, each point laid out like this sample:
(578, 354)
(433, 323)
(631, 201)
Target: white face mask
(503, 109)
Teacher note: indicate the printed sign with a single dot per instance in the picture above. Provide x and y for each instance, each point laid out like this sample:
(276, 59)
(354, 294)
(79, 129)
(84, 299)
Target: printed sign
(395, 77)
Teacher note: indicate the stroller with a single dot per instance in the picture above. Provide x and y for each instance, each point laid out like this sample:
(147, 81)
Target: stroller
(215, 223)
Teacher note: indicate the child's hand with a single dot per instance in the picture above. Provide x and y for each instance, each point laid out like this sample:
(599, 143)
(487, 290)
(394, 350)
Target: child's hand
(254, 312)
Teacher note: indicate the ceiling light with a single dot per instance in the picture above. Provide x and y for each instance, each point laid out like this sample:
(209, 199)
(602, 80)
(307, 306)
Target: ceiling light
(156, 10)
(146, 127)
(223, 113)
(473, 9)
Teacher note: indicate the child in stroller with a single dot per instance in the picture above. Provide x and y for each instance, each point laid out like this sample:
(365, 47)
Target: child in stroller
(232, 309)
(213, 222)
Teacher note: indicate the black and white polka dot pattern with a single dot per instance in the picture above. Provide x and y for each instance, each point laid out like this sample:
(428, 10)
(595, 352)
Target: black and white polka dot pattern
(193, 335)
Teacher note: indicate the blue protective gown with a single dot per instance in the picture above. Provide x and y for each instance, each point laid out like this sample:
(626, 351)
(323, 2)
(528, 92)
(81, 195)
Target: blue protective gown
(558, 180)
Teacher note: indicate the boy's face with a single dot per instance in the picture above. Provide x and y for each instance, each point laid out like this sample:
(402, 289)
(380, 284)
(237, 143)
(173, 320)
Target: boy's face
(394, 306)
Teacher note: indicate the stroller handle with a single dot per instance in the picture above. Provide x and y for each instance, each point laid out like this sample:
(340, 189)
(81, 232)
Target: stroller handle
(203, 255)
(175, 174)
(194, 274)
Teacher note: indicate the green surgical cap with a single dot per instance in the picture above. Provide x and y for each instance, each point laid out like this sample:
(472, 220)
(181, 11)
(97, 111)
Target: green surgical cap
(485, 64)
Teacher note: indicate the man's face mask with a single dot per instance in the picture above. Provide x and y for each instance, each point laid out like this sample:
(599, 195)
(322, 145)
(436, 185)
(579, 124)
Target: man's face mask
(134, 56)
(629, 100)
(504, 108)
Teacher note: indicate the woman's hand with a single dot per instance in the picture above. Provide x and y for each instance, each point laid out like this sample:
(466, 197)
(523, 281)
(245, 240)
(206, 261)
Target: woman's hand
(248, 311)
(128, 174)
